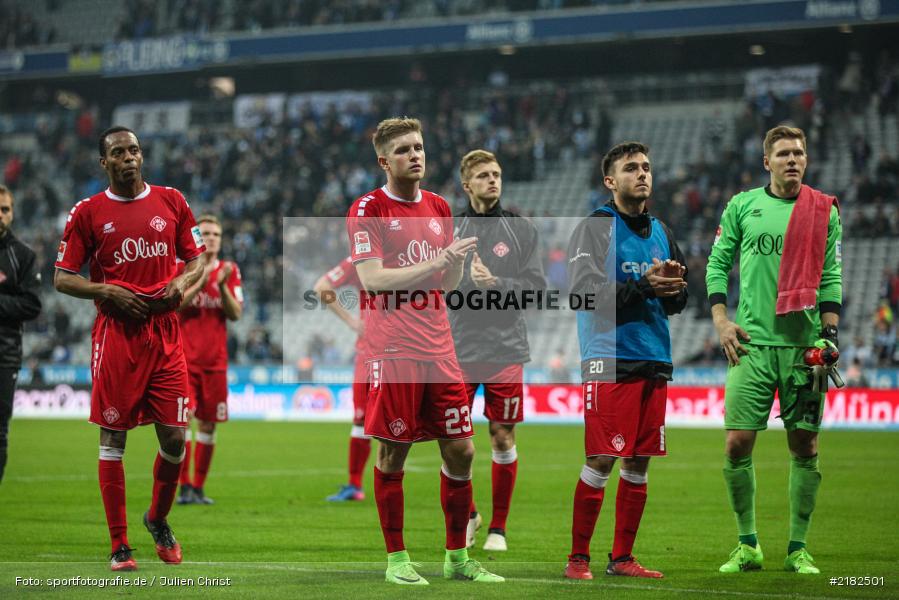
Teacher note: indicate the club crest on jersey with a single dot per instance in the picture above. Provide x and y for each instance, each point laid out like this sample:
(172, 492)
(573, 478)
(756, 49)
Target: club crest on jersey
(434, 225)
(501, 249)
(61, 251)
(395, 225)
(157, 223)
(618, 442)
(111, 415)
(362, 242)
(397, 427)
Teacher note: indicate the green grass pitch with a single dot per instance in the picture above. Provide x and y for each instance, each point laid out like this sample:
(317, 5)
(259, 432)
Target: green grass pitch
(273, 535)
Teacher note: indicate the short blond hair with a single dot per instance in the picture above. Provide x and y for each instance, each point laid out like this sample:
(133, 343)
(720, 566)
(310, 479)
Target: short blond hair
(393, 128)
(782, 132)
(209, 218)
(473, 159)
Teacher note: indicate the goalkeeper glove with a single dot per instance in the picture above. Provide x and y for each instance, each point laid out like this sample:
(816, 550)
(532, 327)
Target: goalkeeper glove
(822, 360)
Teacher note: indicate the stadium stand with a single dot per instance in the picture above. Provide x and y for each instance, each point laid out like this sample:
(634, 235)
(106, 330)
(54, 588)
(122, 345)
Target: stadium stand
(549, 135)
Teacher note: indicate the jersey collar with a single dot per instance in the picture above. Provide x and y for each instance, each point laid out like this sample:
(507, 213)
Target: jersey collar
(398, 199)
(118, 198)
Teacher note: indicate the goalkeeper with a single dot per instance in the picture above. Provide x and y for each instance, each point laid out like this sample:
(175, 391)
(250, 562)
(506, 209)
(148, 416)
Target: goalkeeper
(788, 236)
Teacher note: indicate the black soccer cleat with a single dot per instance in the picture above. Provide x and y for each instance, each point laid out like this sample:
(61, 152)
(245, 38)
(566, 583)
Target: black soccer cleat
(186, 495)
(201, 498)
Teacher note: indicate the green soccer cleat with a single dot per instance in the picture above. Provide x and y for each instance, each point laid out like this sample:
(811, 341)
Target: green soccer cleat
(404, 573)
(470, 570)
(743, 558)
(801, 561)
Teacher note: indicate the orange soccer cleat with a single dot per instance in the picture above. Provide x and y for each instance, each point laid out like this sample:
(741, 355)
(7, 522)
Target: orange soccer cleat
(629, 567)
(167, 547)
(578, 567)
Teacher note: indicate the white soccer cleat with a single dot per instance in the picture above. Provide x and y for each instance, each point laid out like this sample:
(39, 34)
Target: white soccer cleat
(496, 542)
(473, 526)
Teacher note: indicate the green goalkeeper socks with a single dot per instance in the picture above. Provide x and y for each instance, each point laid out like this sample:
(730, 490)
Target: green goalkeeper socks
(804, 482)
(739, 477)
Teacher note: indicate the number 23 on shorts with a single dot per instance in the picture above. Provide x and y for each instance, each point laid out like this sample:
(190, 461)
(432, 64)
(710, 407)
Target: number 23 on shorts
(455, 416)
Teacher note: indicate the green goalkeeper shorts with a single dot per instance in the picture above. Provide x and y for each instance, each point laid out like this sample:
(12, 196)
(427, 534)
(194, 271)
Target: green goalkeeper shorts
(750, 386)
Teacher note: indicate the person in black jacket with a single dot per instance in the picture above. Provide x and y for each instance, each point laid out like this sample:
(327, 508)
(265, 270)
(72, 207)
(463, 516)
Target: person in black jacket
(492, 345)
(20, 282)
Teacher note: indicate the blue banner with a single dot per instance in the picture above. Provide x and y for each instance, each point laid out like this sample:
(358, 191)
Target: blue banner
(184, 53)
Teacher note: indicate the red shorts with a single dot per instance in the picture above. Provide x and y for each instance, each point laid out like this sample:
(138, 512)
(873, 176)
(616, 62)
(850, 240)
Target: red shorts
(209, 394)
(625, 419)
(412, 401)
(360, 389)
(503, 389)
(138, 372)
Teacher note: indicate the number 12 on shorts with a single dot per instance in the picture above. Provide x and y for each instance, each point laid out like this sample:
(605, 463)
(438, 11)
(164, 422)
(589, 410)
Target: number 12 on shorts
(454, 416)
(183, 409)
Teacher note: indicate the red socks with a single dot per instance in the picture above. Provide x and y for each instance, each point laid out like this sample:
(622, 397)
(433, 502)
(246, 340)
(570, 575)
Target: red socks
(165, 484)
(455, 498)
(112, 489)
(185, 464)
(203, 460)
(360, 448)
(591, 488)
(389, 498)
(628, 511)
(504, 475)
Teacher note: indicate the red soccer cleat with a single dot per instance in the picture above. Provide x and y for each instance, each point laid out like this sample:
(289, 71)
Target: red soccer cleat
(629, 567)
(121, 559)
(167, 547)
(578, 567)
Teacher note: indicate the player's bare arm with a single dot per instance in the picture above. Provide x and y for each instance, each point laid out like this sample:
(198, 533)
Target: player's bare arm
(230, 306)
(729, 334)
(176, 288)
(375, 277)
(193, 290)
(323, 285)
(75, 285)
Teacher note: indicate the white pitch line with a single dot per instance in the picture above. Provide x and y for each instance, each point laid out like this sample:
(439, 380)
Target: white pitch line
(560, 581)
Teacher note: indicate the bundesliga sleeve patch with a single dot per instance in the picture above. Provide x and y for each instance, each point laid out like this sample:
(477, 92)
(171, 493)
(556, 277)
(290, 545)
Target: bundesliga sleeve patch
(717, 235)
(362, 242)
(61, 251)
(839, 246)
(198, 239)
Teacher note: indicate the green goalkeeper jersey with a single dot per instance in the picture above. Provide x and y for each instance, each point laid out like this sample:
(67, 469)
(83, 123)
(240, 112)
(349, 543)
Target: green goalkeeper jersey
(755, 222)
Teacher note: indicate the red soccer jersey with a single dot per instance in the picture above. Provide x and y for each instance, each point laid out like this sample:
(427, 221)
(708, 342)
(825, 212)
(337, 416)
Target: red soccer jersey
(403, 233)
(129, 242)
(203, 326)
(344, 275)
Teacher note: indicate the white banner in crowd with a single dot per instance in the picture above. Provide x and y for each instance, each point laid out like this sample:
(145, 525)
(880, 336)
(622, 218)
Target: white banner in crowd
(154, 118)
(252, 110)
(785, 82)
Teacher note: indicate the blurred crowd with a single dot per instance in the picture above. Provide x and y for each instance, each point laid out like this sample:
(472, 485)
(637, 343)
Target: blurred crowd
(19, 28)
(202, 16)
